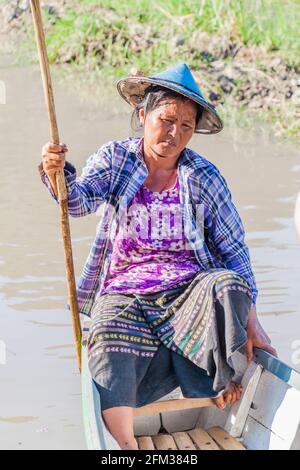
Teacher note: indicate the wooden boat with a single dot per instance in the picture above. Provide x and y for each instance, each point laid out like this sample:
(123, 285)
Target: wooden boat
(266, 418)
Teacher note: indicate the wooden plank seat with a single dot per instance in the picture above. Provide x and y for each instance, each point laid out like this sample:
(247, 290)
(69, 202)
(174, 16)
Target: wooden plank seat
(195, 439)
(163, 406)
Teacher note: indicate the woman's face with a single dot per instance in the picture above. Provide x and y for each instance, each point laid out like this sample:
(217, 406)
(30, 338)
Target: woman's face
(169, 127)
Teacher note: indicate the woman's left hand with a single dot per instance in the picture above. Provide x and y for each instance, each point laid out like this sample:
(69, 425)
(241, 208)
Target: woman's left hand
(257, 337)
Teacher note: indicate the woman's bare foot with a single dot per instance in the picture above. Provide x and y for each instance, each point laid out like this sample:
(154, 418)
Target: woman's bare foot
(232, 394)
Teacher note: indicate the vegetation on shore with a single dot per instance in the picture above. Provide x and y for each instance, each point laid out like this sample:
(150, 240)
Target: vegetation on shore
(245, 54)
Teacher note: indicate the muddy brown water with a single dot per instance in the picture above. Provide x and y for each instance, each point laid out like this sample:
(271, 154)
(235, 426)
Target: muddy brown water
(40, 405)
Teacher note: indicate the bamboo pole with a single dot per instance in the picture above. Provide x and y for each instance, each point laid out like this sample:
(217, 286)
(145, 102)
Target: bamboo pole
(60, 179)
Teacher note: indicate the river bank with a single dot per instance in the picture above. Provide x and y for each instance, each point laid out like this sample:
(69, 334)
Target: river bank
(245, 56)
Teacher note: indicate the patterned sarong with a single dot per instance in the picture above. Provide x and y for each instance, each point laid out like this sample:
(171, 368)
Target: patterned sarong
(142, 346)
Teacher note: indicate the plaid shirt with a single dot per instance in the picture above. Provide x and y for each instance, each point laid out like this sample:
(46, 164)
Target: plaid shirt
(111, 178)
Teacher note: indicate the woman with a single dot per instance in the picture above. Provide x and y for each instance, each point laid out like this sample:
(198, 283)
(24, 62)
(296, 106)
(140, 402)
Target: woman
(170, 302)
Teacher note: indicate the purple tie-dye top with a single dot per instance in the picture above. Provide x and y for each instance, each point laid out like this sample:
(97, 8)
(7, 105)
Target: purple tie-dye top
(150, 251)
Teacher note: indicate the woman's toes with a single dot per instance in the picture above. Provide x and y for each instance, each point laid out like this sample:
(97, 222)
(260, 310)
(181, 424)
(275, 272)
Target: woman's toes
(228, 397)
(220, 402)
(232, 394)
(234, 397)
(238, 392)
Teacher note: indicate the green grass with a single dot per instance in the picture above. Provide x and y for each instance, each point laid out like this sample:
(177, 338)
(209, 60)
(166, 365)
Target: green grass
(109, 37)
(273, 24)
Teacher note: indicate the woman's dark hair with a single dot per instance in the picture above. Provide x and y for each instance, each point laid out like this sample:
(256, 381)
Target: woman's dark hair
(154, 95)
